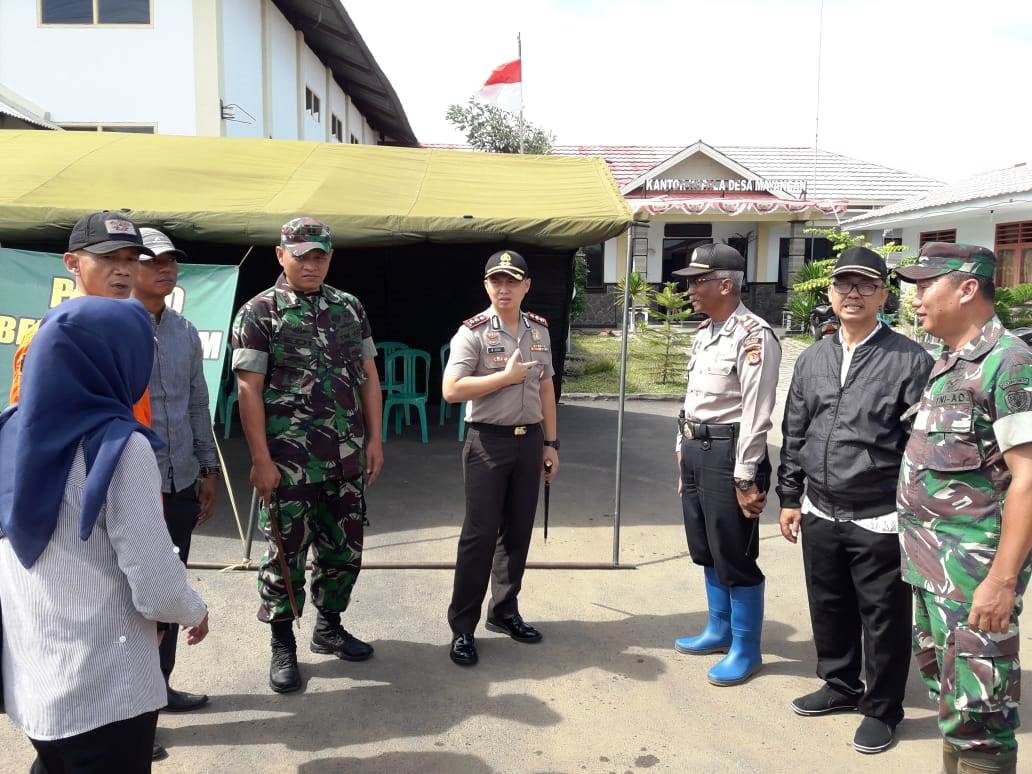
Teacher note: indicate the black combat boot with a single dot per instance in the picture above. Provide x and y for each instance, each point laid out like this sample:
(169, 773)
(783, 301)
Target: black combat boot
(284, 676)
(330, 638)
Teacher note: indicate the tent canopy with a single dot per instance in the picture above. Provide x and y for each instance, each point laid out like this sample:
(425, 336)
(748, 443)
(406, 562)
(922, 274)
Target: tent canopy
(240, 191)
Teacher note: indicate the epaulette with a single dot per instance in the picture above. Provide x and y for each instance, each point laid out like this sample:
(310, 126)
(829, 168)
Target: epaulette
(475, 321)
(537, 318)
(749, 324)
(704, 324)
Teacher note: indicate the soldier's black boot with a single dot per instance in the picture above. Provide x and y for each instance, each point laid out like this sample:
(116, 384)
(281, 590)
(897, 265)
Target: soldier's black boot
(330, 638)
(284, 676)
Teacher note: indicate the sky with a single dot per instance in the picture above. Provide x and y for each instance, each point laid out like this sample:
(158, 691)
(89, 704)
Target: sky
(933, 88)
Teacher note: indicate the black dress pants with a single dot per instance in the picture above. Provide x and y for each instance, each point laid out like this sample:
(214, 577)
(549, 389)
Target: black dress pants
(124, 746)
(503, 476)
(181, 511)
(719, 535)
(860, 610)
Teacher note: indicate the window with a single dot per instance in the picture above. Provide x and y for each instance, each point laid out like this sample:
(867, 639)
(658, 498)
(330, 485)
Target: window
(129, 128)
(595, 255)
(95, 11)
(312, 103)
(679, 240)
(355, 140)
(943, 235)
(741, 244)
(814, 249)
(1013, 253)
(336, 128)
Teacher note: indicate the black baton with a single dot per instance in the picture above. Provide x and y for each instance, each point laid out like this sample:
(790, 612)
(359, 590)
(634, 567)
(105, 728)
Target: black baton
(548, 491)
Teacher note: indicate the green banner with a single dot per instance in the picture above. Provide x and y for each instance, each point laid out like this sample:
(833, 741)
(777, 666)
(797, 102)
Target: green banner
(36, 282)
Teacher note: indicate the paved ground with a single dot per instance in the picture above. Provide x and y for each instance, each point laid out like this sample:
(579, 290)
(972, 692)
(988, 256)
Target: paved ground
(605, 692)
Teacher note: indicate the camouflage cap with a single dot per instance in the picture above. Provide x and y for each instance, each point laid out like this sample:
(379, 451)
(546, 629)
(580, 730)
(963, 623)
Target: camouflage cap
(303, 234)
(938, 258)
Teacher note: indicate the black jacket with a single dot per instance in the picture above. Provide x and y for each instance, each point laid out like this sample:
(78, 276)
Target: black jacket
(847, 442)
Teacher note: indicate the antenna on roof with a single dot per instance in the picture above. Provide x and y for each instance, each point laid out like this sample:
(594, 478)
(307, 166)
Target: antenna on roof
(817, 110)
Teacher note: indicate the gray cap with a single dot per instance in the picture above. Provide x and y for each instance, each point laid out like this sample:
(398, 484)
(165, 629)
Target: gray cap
(159, 244)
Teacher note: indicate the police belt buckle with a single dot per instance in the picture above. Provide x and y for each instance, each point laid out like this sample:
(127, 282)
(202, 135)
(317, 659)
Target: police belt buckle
(519, 430)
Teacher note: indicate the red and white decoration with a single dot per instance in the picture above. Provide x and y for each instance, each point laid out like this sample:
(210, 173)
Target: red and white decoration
(504, 87)
(736, 206)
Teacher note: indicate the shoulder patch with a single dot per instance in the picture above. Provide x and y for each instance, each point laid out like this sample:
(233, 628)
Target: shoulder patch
(476, 321)
(753, 341)
(1018, 399)
(537, 318)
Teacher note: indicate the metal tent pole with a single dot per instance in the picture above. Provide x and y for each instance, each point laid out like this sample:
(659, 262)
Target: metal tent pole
(623, 389)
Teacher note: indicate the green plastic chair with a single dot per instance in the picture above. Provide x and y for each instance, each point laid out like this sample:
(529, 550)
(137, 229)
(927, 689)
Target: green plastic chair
(445, 410)
(414, 392)
(229, 392)
(391, 382)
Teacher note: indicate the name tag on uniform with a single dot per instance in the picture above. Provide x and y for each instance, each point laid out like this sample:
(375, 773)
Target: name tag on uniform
(492, 350)
(538, 348)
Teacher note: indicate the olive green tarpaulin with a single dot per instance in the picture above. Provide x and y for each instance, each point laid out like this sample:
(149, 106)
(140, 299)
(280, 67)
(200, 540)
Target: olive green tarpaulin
(240, 191)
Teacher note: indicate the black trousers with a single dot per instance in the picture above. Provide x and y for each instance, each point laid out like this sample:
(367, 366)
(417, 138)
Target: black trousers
(181, 511)
(719, 535)
(124, 747)
(857, 596)
(503, 477)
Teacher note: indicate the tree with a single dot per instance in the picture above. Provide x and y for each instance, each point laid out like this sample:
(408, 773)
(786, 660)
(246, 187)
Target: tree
(580, 284)
(488, 128)
(673, 308)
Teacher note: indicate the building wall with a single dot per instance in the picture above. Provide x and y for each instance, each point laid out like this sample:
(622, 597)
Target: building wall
(141, 69)
(243, 67)
(281, 54)
(313, 76)
(339, 107)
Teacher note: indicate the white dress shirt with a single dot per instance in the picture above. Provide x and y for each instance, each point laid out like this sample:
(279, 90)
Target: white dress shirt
(80, 646)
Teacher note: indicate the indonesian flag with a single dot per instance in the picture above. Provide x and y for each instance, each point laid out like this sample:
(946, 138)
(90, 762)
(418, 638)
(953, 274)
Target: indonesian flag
(503, 88)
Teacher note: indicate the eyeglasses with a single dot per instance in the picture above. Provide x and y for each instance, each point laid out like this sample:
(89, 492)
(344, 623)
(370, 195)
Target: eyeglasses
(694, 283)
(863, 288)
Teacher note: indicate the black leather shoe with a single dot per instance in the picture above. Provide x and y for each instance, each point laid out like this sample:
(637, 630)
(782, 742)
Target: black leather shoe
(515, 627)
(463, 650)
(284, 675)
(159, 753)
(181, 701)
(341, 644)
(824, 701)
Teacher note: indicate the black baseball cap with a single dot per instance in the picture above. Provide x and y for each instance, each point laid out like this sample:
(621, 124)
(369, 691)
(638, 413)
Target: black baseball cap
(707, 258)
(506, 262)
(104, 232)
(860, 260)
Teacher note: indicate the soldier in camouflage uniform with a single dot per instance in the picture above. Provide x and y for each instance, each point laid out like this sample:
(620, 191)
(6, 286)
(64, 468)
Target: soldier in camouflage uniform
(965, 508)
(311, 409)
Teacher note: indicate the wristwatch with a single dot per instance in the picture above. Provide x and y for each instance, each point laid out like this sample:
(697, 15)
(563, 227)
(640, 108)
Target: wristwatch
(744, 484)
(205, 472)
(554, 444)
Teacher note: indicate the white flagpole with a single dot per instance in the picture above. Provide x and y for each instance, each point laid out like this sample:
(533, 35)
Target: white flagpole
(519, 55)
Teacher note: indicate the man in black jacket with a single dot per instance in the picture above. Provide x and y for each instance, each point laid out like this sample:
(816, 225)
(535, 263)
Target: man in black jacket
(843, 444)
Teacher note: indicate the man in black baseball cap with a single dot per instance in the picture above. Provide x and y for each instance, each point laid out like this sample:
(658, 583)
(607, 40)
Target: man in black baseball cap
(103, 255)
(846, 400)
(103, 251)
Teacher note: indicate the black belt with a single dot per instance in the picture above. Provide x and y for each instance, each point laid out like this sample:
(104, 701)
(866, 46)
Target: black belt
(706, 431)
(509, 430)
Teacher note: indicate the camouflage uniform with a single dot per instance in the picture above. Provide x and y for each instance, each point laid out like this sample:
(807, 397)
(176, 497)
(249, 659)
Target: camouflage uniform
(953, 482)
(311, 347)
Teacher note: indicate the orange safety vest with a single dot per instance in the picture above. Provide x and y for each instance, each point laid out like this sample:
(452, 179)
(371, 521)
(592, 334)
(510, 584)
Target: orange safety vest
(142, 409)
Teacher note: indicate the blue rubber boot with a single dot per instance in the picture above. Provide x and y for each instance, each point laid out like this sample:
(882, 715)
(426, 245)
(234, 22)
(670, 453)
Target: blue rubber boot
(743, 660)
(716, 637)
